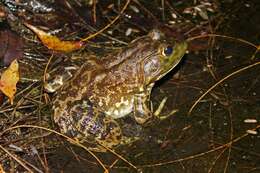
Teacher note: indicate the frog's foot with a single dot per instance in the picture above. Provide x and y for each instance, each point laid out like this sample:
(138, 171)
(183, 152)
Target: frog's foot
(129, 140)
(162, 117)
(103, 146)
(110, 137)
(56, 80)
(53, 85)
(99, 148)
(158, 111)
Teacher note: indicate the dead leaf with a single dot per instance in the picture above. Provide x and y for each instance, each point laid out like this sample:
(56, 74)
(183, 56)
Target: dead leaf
(53, 42)
(9, 79)
(1, 169)
(11, 46)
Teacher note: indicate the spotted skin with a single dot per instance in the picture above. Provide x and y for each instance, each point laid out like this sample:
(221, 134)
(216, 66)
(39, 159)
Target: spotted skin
(91, 106)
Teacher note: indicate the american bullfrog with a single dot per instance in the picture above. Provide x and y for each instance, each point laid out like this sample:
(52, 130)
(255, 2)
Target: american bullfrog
(91, 105)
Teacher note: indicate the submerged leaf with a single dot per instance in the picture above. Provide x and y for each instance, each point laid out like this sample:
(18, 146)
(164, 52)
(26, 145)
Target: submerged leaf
(53, 42)
(11, 46)
(9, 79)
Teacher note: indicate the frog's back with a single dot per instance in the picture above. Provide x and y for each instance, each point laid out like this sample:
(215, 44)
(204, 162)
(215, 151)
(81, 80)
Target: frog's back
(77, 117)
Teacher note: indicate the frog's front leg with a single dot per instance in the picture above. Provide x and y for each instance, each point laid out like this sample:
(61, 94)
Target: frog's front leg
(142, 113)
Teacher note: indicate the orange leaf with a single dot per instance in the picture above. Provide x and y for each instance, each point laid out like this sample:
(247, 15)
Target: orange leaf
(9, 79)
(53, 42)
(1, 169)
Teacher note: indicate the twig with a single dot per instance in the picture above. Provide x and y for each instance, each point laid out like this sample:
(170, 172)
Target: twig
(219, 82)
(16, 159)
(111, 23)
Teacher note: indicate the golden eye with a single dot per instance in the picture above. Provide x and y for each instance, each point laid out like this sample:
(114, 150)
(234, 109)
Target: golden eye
(167, 51)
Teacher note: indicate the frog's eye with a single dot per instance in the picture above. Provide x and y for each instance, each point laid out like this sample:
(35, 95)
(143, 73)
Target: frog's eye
(167, 51)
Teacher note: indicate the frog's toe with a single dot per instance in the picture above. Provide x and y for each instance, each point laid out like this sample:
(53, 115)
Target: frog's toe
(53, 85)
(162, 117)
(158, 111)
(160, 107)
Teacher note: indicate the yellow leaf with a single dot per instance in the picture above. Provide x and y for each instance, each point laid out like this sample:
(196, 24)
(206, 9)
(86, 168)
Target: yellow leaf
(9, 79)
(53, 42)
(1, 169)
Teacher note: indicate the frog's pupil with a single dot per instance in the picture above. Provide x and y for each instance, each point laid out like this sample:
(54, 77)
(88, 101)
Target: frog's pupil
(168, 50)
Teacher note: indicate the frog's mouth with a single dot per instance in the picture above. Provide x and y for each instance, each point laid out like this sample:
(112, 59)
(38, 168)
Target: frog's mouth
(174, 59)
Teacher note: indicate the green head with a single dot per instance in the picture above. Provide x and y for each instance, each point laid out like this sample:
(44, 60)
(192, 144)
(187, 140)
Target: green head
(166, 54)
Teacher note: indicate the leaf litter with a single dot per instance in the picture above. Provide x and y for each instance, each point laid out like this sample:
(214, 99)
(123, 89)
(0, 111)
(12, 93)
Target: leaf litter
(217, 137)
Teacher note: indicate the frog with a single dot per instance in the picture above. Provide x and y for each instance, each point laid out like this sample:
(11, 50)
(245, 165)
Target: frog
(91, 105)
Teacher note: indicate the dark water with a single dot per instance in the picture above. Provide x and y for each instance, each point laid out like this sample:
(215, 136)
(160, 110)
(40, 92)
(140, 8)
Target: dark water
(214, 138)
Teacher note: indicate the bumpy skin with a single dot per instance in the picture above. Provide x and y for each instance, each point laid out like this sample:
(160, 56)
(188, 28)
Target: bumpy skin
(90, 106)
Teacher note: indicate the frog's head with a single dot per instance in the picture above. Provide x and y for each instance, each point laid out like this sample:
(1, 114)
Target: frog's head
(162, 58)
